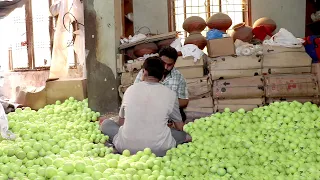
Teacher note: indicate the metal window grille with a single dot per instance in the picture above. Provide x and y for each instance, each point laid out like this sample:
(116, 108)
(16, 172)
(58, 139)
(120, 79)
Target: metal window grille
(238, 10)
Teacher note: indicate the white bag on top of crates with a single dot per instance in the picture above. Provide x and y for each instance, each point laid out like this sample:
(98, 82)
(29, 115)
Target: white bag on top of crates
(284, 38)
(4, 125)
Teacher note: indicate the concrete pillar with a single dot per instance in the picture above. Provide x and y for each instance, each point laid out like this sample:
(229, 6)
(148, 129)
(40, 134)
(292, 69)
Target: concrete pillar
(102, 35)
(152, 14)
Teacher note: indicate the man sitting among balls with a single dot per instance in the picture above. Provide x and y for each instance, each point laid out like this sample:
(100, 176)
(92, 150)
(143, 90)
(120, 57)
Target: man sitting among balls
(146, 108)
(173, 79)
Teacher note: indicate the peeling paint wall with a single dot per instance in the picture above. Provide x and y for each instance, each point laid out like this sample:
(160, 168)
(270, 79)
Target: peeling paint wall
(107, 33)
(289, 14)
(102, 33)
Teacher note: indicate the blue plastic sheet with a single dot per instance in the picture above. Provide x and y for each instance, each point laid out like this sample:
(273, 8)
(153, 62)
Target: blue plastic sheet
(214, 34)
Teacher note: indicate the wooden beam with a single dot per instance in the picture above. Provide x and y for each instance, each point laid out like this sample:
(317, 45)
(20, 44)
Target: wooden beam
(249, 12)
(51, 29)
(171, 17)
(123, 19)
(208, 9)
(29, 33)
(185, 13)
(10, 59)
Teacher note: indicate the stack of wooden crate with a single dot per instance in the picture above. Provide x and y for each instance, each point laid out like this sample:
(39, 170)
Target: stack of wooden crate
(282, 60)
(198, 84)
(200, 96)
(237, 82)
(249, 81)
(236, 93)
(288, 75)
(290, 87)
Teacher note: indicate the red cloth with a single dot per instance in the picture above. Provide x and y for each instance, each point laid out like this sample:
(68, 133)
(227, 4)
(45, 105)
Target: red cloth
(261, 32)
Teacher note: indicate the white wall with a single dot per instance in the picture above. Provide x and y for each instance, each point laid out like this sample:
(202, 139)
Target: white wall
(151, 13)
(289, 14)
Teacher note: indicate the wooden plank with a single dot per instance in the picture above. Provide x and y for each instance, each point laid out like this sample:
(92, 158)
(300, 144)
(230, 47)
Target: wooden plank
(51, 30)
(249, 13)
(29, 31)
(171, 16)
(158, 37)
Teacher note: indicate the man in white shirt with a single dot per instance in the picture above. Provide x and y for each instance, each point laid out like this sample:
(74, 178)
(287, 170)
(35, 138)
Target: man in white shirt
(173, 79)
(144, 113)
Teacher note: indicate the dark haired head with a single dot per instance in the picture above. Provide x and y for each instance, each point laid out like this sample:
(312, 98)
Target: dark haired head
(169, 52)
(154, 66)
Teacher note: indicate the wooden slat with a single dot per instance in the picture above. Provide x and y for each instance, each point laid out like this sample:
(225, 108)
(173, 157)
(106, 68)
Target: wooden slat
(51, 30)
(170, 15)
(29, 31)
(249, 12)
(10, 59)
(158, 37)
(185, 13)
(208, 9)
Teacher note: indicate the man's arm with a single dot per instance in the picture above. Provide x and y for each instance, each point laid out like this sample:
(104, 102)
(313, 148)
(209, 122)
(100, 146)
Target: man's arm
(175, 116)
(183, 103)
(183, 94)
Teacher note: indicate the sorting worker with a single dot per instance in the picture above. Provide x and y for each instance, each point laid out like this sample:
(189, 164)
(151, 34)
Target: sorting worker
(173, 79)
(144, 113)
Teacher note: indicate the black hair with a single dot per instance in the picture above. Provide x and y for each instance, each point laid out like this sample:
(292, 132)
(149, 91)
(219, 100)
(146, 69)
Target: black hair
(169, 52)
(154, 66)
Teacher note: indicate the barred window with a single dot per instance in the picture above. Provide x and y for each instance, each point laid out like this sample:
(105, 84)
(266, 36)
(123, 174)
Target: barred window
(27, 37)
(238, 10)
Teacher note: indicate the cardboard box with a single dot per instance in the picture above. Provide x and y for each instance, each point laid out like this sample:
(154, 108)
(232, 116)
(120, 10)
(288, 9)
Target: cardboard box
(296, 70)
(234, 73)
(128, 78)
(228, 67)
(64, 88)
(292, 85)
(200, 105)
(136, 66)
(188, 62)
(188, 68)
(315, 100)
(33, 97)
(239, 88)
(221, 47)
(315, 69)
(282, 57)
(191, 72)
(236, 104)
(199, 87)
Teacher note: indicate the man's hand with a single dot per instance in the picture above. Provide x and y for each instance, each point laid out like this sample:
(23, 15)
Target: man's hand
(178, 125)
(121, 121)
(183, 103)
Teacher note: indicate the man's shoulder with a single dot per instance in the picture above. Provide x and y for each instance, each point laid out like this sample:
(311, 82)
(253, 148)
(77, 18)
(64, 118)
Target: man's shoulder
(177, 74)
